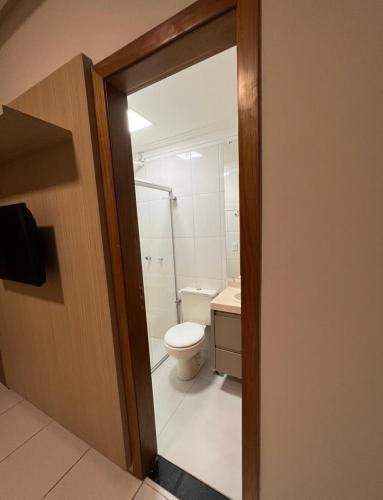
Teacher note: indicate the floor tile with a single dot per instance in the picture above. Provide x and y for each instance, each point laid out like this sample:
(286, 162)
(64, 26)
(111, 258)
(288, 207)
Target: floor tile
(157, 350)
(8, 399)
(95, 477)
(203, 436)
(148, 493)
(168, 392)
(207, 370)
(160, 489)
(33, 469)
(18, 424)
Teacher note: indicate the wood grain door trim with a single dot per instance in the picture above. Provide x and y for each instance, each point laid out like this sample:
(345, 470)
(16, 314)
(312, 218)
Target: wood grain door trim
(191, 48)
(249, 142)
(2, 374)
(130, 317)
(197, 14)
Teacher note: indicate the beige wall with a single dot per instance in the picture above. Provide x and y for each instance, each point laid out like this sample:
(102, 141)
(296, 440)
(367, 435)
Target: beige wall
(322, 299)
(322, 325)
(59, 30)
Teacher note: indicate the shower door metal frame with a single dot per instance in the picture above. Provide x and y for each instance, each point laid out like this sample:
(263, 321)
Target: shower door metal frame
(172, 200)
(202, 30)
(152, 185)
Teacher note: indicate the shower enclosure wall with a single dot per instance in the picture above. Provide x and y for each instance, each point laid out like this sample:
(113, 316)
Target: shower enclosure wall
(155, 220)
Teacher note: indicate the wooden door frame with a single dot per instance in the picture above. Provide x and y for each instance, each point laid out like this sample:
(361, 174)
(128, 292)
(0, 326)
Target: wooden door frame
(2, 373)
(122, 226)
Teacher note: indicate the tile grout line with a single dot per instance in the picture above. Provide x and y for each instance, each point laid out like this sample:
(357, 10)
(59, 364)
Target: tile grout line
(153, 489)
(177, 407)
(26, 441)
(66, 472)
(138, 489)
(10, 408)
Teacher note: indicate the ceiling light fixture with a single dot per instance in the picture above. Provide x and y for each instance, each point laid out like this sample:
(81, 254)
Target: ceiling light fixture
(137, 121)
(190, 155)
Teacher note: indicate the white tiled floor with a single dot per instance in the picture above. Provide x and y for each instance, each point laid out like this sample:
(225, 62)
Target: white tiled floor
(199, 425)
(157, 350)
(40, 459)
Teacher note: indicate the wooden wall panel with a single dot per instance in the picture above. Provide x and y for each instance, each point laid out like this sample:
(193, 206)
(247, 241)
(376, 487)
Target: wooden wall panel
(57, 342)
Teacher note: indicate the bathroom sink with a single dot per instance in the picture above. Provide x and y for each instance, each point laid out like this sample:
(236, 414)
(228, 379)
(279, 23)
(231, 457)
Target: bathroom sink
(237, 296)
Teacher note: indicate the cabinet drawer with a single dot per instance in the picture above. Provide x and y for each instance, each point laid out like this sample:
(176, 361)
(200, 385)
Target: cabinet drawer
(227, 331)
(228, 362)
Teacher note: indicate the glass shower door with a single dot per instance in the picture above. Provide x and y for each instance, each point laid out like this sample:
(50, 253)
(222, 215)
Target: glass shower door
(154, 205)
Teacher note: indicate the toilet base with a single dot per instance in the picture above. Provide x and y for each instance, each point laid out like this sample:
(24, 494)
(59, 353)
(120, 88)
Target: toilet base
(188, 368)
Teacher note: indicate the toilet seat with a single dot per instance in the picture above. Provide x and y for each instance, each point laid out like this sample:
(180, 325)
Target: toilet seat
(184, 335)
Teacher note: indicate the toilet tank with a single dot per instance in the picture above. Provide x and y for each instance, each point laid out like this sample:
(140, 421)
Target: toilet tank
(195, 304)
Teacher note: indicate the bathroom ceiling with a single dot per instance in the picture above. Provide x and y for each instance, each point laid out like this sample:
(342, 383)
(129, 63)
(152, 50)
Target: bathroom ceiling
(194, 102)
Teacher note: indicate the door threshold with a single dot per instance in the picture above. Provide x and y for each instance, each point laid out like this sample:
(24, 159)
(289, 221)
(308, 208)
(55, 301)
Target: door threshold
(181, 484)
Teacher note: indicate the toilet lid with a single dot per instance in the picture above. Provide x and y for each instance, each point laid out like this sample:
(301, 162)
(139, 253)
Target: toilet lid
(184, 335)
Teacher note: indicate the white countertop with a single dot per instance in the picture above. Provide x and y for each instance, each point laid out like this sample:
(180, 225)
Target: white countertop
(227, 301)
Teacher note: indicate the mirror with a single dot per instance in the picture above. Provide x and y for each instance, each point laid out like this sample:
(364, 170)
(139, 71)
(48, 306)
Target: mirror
(231, 187)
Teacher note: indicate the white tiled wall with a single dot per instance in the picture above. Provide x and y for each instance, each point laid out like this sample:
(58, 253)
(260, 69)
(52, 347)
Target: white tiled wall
(199, 215)
(231, 182)
(153, 208)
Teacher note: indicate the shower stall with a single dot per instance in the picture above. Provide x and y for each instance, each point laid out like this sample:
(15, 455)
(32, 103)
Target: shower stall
(155, 221)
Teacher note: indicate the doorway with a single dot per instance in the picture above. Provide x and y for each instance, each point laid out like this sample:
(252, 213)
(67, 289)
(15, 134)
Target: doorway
(185, 157)
(198, 32)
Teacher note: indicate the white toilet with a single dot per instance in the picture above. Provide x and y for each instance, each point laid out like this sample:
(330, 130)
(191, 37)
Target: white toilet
(184, 341)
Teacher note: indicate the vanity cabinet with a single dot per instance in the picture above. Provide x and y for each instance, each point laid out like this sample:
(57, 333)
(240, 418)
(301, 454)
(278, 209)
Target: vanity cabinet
(226, 342)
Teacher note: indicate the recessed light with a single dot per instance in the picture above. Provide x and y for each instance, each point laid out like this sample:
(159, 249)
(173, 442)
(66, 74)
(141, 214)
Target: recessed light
(189, 155)
(137, 121)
